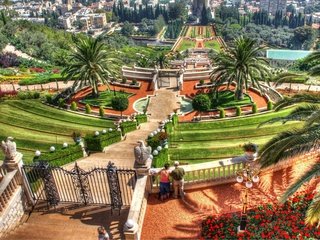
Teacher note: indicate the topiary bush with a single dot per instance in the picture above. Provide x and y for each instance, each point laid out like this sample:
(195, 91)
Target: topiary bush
(49, 98)
(201, 82)
(87, 109)
(254, 108)
(238, 111)
(101, 111)
(97, 143)
(269, 105)
(28, 95)
(61, 156)
(61, 103)
(128, 126)
(141, 118)
(222, 113)
(74, 106)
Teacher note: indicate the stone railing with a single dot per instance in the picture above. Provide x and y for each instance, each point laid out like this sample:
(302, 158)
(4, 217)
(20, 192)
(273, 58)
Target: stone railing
(8, 186)
(133, 226)
(205, 174)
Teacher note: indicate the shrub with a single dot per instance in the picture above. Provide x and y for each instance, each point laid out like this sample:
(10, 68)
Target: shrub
(254, 108)
(61, 103)
(9, 60)
(201, 82)
(87, 109)
(101, 111)
(141, 118)
(124, 80)
(22, 95)
(270, 105)
(134, 82)
(36, 95)
(61, 156)
(175, 120)
(74, 106)
(238, 111)
(201, 102)
(158, 140)
(120, 103)
(128, 126)
(49, 98)
(97, 143)
(222, 113)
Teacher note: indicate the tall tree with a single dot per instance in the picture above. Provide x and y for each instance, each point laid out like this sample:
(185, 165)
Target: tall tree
(242, 64)
(90, 64)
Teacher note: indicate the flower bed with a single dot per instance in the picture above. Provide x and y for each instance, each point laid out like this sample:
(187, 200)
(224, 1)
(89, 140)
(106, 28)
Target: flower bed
(265, 222)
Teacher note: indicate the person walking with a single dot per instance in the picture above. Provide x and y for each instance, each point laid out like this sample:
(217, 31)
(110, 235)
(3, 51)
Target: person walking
(164, 182)
(178, 182)
(102, 233)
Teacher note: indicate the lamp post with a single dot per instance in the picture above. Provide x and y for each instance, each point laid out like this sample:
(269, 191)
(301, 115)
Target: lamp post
(248, 176)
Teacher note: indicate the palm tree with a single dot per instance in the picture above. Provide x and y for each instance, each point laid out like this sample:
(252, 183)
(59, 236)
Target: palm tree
(241, 63)
(161, 60)
(90, 64)
(297, 142)
(313, 57)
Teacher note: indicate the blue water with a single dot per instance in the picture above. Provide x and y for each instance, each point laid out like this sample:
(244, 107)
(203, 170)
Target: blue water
(287, 54)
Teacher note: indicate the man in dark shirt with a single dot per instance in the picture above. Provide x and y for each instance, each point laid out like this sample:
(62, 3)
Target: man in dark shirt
(178, 182)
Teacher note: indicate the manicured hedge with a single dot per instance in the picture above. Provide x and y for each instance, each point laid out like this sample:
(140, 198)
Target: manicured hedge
(160, 159)
(128, 126)
(168, 127)
(97, 143)
(141, 118)
(61, 156)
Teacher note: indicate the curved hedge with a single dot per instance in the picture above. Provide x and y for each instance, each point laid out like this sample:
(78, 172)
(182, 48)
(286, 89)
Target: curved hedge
(97, 143)
(61, 156)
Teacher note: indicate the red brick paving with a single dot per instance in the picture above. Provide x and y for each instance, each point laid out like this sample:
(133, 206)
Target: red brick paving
(190, 91)
(145, 89)
(174, 219)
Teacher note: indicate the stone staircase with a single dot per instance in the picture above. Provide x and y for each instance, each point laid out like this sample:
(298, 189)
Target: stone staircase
(72, 224)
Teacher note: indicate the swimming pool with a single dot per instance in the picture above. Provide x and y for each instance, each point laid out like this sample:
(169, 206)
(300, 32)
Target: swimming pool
(291, 55)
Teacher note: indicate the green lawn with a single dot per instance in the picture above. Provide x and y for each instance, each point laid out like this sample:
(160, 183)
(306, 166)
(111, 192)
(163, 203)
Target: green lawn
(208, 141)
(212, 44)
(104, 98)
(185, 44)
(37, 126)
(226, 99)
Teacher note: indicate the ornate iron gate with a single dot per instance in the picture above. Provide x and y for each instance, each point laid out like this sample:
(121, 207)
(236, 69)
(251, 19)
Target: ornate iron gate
(107, 186)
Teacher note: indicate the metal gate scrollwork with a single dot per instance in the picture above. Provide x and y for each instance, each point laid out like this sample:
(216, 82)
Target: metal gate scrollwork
(114, 186)
(81, 184)
(50, 187)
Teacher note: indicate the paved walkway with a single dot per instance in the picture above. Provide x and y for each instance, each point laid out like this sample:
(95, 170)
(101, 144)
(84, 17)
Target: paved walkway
(177, 219)
(121, 153)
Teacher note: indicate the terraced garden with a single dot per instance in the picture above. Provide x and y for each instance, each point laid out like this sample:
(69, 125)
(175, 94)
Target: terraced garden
(37, 127)
(212, 44)
(208, 141)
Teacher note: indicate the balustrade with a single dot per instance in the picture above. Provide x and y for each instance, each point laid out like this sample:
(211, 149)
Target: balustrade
(206, 172)
(8, 185)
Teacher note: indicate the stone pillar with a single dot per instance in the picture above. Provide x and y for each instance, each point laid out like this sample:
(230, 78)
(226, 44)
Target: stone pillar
(13, 164)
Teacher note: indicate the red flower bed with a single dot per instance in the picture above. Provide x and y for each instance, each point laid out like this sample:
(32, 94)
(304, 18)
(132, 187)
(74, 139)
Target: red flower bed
(7, 93)
(265, 222)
